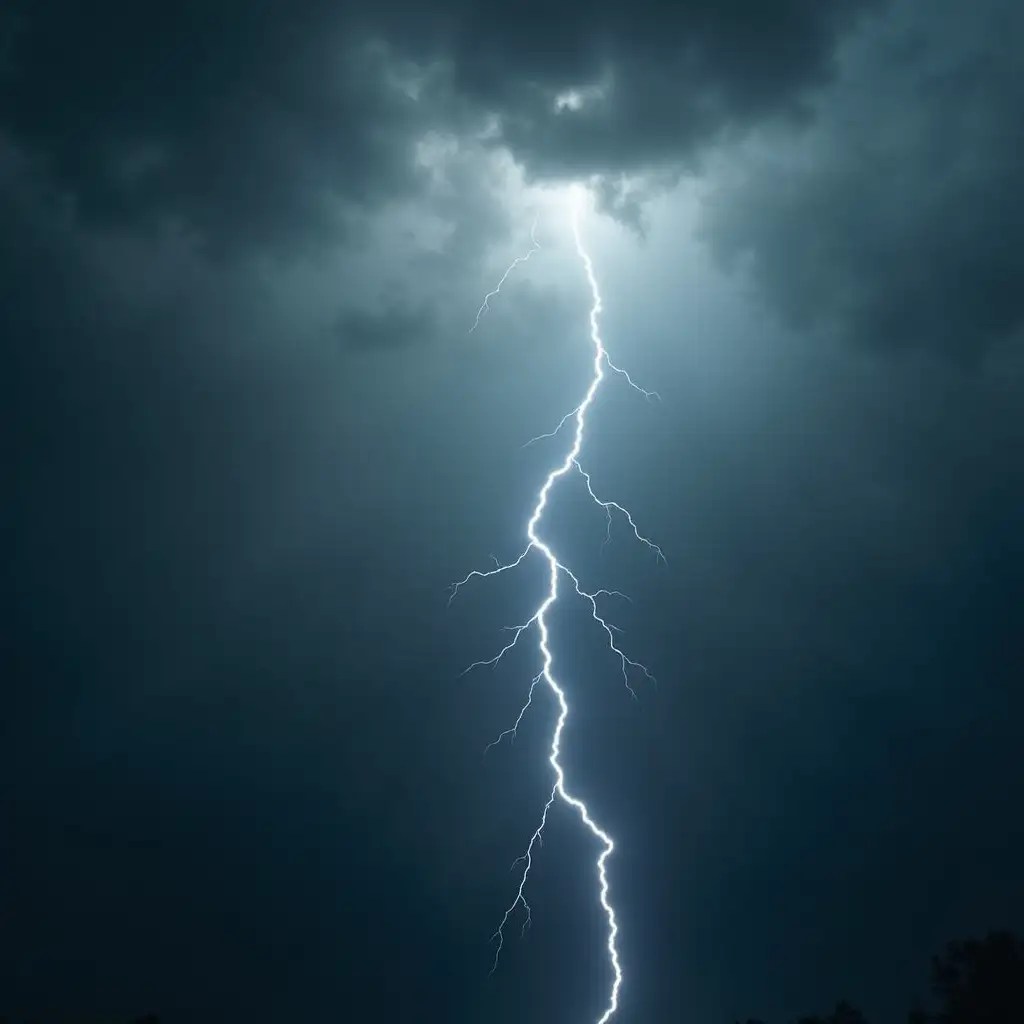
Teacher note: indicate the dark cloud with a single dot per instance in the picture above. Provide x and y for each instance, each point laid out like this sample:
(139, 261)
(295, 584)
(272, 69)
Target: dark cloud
(254, 126)
(666, 76)
(397, 326)
(244, 122)
(899, 220)
(142, 423)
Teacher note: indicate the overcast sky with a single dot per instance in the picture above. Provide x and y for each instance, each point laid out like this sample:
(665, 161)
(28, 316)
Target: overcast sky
(249, 443)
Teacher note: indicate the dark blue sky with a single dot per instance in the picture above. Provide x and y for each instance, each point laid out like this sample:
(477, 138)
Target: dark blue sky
(248, 446)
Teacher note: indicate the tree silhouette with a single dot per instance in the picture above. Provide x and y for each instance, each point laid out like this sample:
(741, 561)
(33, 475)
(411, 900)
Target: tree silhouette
(977, 982)
(844, 1013)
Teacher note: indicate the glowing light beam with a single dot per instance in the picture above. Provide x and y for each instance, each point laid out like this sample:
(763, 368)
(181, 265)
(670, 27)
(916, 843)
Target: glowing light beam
(556, 569)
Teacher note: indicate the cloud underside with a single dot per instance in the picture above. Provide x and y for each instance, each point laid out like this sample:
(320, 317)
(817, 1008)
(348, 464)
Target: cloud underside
(274, 129)
(259, 124)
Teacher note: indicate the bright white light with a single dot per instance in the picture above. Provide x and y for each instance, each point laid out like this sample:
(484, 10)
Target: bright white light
(569, 465)
(575, 99)
(571, 100)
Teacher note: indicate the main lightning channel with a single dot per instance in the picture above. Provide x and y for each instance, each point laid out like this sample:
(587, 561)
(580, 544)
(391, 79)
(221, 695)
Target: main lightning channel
(556, 568)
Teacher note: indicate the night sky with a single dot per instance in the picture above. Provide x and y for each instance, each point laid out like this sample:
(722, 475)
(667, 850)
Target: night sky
(248, 444)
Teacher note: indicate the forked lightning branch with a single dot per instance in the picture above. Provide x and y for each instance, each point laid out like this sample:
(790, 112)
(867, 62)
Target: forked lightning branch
(537, 545)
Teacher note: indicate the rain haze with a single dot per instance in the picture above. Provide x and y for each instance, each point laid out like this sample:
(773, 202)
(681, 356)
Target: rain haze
(253, 432)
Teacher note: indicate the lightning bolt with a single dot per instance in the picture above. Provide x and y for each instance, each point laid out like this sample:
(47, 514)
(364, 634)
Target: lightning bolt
(485, 305)
(557, 570)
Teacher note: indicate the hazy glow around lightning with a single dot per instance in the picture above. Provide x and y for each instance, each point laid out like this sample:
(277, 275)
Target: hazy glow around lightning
(569, 465)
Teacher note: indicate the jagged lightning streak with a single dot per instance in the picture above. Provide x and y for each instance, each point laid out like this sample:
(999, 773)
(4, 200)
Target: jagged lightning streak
(485, 305)
(556, 568)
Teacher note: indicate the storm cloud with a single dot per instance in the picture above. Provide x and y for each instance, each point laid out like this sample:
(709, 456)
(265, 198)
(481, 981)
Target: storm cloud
(257, 128)
(897, 219)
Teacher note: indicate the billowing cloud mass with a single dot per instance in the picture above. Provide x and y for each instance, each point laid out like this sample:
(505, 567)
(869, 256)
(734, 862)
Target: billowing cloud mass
(840, 138)
(897, 220)
(248, 127)
(256, 127)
